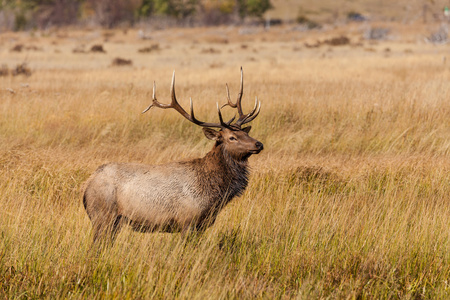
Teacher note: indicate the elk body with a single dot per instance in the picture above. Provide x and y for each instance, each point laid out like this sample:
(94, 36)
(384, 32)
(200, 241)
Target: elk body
(178, 196)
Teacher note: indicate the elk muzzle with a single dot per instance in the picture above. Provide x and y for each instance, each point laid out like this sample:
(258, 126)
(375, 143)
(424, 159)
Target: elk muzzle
(259, 147)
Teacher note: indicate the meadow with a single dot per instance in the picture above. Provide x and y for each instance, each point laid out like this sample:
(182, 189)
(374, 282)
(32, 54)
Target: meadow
(349, 199)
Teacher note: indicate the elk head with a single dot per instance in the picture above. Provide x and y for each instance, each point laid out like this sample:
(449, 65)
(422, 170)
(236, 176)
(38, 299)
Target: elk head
(234, 139)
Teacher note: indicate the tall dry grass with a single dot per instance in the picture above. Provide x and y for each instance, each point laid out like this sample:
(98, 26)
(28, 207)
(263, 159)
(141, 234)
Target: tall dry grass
(349, 199)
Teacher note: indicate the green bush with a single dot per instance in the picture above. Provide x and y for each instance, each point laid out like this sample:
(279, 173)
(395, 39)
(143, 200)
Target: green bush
(253, 8)
(301, 19)
(179, 9)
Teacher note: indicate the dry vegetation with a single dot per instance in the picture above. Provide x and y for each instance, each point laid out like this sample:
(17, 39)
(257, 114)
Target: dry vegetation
(350, 197)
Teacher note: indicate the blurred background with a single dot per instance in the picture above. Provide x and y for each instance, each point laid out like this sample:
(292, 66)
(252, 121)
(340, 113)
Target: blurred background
(42, 14)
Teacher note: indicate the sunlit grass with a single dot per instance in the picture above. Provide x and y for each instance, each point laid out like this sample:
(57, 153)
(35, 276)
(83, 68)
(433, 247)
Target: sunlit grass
(350, 197)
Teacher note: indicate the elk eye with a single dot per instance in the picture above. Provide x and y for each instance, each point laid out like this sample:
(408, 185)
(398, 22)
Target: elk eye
(232, 138)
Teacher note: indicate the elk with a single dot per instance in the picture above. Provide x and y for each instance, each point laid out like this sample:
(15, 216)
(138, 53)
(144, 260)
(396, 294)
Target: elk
(178, 196)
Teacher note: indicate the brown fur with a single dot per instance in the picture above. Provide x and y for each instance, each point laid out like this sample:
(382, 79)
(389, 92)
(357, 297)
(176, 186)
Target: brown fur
(172, 197)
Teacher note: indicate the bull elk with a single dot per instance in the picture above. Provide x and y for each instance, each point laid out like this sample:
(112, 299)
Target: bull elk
(178, 196)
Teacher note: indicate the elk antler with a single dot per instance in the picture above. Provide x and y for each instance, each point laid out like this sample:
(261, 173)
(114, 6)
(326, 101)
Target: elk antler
(175, 105)
(243, 119)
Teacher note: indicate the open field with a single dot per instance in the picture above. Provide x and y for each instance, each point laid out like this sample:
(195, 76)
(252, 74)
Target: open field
(349, 199)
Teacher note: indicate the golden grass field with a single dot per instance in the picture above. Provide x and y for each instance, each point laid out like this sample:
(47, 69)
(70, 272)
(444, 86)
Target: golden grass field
(349, 199)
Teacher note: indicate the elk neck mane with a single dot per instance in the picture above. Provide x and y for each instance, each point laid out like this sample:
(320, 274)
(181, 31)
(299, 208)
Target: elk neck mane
(221, 176)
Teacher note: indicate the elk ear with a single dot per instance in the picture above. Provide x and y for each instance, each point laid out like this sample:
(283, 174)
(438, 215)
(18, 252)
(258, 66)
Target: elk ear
(246, 129)
(212, 134)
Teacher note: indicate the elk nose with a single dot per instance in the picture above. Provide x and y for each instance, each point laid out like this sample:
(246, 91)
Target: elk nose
(259, 145)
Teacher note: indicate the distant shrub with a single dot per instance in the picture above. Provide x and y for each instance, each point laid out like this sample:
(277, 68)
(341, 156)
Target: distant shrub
(121, 62)
(20, 47)
(216, 12)
(210, 51)
(110, 13)
(20, 22)
(149, 49)
(337, 41)
(98, 48)
(173, 8)
(17, 48)
(21, 69)
(356, 17)
(301, 19)
(253, 8)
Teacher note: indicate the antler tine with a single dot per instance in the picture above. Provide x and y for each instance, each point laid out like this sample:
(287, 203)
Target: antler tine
(153, 99)
(231, 104)
(241, 92)
(220, 115)
(239, 98)
(174, 104)
(192, 108)
(254, 108)
(251, 115)
(172, 92)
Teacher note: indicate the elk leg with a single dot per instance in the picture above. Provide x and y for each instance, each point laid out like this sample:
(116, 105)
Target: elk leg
(106, 229)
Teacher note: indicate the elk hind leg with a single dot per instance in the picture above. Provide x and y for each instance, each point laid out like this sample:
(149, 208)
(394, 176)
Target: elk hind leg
(106, 229)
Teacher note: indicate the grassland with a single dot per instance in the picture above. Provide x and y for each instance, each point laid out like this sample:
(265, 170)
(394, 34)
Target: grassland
(349, 199)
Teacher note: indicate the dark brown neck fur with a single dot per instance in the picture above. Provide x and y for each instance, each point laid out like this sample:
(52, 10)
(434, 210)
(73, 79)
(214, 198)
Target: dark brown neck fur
(221, 177)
